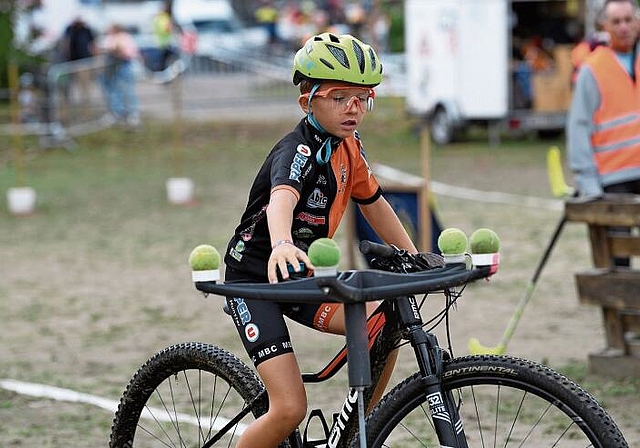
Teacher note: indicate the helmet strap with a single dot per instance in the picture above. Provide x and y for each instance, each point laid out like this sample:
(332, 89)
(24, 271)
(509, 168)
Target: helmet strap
(324, 153)
(310, 116)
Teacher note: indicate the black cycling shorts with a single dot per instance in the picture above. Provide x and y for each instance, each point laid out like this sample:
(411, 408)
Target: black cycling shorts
(261, 324)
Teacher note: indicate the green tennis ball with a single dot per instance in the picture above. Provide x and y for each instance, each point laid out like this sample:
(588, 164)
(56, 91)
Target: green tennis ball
(324, 252)
(484, 241)
(204, 258)
(452, 241)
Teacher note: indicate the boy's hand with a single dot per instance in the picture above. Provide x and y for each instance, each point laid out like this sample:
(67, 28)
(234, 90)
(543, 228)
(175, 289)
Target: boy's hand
(283, 254)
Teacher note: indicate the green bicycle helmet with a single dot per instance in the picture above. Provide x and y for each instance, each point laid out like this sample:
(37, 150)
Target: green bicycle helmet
(334, 57)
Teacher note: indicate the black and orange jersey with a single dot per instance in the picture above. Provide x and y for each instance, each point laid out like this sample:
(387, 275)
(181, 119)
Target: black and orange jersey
(323, 192)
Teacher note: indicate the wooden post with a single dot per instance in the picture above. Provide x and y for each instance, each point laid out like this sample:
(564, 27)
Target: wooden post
(176, 151)
(424, 203)
(17, 139)
(616, 291)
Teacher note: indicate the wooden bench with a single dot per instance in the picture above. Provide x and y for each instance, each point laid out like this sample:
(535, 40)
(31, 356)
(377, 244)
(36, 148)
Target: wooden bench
(615, 290)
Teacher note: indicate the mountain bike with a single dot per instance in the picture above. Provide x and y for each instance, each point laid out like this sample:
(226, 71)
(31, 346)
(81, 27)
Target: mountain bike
(199, 395)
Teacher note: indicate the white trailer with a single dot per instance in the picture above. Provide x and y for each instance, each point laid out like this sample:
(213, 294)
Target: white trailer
(461, 67)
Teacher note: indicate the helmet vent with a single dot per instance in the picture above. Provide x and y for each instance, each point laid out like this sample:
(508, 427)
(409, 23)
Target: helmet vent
(327, 63)
(374, 61)
(359, 56)
(334, 38)
(339, 54)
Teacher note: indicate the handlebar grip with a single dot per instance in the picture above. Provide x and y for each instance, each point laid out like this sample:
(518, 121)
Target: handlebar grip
(381, 250)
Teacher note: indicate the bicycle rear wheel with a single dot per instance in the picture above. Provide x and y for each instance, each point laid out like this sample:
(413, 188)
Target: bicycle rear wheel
(182, 396)
(503, 402)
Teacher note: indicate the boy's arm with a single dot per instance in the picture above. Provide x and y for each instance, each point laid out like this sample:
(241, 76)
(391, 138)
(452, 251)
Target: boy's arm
(280, 219)
(386, 224)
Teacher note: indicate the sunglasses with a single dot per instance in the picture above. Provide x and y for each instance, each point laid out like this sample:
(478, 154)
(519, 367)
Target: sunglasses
(342, 98)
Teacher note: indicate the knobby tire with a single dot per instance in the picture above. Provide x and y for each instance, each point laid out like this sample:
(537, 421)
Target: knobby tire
(504, 401)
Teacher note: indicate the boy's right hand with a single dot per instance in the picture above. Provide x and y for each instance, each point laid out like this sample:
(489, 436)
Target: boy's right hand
(283, 254)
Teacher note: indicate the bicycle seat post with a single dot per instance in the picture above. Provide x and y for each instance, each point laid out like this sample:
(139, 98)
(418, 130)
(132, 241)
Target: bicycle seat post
(358, 357)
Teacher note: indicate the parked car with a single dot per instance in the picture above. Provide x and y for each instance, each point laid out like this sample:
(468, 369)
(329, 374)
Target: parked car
(218, 28)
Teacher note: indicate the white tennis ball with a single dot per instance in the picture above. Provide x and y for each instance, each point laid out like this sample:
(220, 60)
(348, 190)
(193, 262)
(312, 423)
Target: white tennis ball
(204, 258)
(452, 241)
(484, 241)
(324, 252)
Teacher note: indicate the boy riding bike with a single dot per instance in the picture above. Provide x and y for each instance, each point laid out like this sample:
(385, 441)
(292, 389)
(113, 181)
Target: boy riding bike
(299, 195)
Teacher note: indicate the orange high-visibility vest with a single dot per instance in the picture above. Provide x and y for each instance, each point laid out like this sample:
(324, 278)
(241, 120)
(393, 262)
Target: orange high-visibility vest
(578, 55)
(616, 137)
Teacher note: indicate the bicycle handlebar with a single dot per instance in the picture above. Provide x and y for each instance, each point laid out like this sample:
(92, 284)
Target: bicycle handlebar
(382, 250)
(353, 286)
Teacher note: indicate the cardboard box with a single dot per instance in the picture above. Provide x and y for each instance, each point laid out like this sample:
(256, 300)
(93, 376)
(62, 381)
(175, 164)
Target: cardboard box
(551, 91)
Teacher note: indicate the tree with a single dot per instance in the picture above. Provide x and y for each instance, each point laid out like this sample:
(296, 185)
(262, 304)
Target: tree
(9, 9)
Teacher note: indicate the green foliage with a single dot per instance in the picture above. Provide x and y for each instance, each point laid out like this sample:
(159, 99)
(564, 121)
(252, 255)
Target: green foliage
(6, 37)
(9, 52)
(396, 30)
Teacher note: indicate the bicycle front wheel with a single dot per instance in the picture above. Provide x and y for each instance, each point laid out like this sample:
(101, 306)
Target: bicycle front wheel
(183, 396)
(503, 401)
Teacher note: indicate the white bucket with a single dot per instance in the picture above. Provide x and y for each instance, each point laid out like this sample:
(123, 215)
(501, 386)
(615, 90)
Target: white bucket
(21, 200)
(179, 190)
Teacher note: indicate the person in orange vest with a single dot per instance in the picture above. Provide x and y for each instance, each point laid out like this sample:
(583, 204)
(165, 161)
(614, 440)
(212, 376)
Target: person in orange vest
(603, 124)
(583, 49)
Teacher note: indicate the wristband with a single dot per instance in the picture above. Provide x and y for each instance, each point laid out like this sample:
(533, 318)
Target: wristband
(281, 242)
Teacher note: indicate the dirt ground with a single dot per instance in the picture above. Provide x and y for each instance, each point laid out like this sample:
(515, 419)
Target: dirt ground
(83, 306)
(49, 337)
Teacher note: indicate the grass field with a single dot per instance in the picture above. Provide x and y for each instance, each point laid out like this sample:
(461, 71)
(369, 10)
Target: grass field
(96, 280)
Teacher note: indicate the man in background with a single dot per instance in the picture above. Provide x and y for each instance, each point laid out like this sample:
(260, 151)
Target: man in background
(603, 127)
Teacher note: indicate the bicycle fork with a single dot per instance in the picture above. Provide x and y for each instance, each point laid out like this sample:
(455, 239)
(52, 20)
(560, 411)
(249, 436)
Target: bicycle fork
(429, 355)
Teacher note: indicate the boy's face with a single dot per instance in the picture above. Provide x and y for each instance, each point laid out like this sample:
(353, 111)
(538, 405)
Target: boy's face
(339, 107)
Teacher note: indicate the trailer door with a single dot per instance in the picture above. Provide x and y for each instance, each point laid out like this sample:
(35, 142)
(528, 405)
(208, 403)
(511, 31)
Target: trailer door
(457, 56)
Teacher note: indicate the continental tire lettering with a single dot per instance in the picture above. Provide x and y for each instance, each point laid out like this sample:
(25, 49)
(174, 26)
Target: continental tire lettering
(475, 369)
(342, 419)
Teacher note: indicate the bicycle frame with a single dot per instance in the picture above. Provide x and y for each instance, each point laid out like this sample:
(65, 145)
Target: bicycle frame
(392, 321)
(540, 406)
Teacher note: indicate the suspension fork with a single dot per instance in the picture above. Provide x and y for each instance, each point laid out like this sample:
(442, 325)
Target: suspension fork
(430, 357)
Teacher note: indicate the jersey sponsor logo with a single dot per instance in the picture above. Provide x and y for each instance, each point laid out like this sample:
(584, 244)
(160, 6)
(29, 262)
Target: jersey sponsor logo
(304, 150)
(364, 159)
(303, 233)
(251, 332)
(295, 170)
(311, 219)
(343, 178)
(235, 254)
(322, 322)
(242, 310)
(272, 350)
(317, 199)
